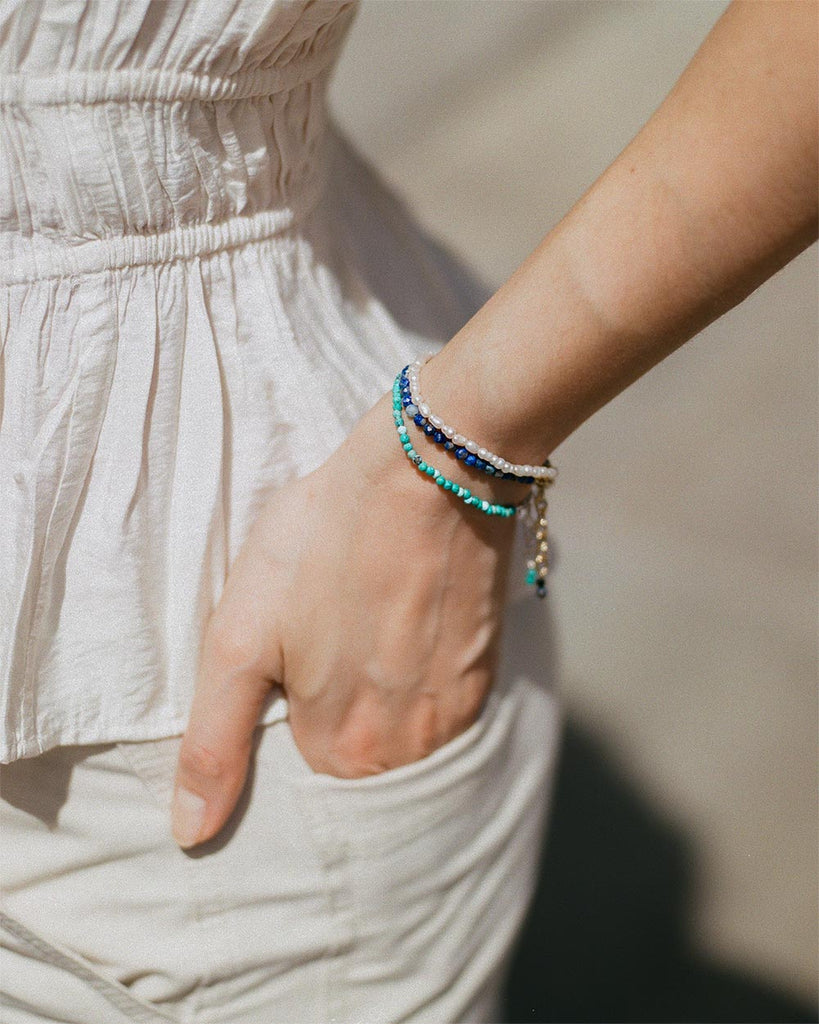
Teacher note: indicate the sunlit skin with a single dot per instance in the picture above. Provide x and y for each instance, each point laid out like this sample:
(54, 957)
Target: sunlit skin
(373, 598)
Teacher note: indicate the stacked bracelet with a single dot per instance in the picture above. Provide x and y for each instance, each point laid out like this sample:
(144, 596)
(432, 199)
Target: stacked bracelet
(406, 398)
(489, 507)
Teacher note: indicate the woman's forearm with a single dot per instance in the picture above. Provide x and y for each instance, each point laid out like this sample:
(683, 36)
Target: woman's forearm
(716, 193)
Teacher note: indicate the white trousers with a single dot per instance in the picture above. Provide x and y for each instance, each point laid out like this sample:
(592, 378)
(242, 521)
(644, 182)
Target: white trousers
(392, 898)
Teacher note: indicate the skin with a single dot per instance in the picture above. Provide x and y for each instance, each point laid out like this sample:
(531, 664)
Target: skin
(714, 195)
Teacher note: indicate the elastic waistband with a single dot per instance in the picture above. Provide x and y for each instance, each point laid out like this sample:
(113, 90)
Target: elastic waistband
(25, 259)
(159, 85)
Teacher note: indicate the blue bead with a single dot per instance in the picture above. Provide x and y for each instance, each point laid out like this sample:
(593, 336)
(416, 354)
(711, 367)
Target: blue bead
(479, 463)
(406, 400)
(419, 419)
(461, 453)
(429, 429)
(438, 437)
(470, 460)
(489, 469)
(448, 445)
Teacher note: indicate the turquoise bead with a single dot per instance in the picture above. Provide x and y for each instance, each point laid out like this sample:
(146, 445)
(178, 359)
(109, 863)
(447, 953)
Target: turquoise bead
(422, 466)
(430, 471)
(407, 446)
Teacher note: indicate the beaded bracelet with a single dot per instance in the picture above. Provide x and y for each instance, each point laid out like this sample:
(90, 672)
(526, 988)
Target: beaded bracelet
(464, 449)
(535, 506)
(489, 507)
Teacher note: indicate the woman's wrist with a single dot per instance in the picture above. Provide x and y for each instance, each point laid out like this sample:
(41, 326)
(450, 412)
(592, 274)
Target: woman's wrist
(377, 430)
(503, 377)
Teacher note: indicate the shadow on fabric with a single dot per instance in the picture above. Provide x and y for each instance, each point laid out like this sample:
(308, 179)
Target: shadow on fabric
(606, 939)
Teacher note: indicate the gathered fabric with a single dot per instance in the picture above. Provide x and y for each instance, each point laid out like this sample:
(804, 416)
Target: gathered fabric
(203, 285)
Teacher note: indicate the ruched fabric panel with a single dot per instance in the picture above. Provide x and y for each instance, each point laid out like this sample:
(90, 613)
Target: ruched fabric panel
(202, 287)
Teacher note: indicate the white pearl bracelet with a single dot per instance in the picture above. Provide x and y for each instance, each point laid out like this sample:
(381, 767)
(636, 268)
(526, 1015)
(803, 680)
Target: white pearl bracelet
(543, 475)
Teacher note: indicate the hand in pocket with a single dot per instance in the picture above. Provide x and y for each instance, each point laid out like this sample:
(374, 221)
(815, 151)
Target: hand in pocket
(374, 598)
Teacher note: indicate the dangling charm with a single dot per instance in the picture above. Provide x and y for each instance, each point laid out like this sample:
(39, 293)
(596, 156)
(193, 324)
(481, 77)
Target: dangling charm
(538, 567)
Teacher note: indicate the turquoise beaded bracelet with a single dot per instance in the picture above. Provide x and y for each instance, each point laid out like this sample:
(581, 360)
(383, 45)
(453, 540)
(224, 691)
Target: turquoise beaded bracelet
(488, 507)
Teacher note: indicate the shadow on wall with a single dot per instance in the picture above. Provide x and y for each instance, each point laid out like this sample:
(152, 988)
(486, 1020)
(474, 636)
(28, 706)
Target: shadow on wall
(605, 940)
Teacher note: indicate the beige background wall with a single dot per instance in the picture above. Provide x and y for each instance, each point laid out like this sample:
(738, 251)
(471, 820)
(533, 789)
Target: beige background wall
(685, 515)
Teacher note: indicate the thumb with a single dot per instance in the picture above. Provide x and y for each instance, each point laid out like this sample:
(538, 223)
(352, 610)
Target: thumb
(231, 690)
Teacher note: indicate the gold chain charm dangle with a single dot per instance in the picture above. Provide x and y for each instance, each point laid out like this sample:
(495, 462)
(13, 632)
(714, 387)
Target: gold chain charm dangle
(538, 567)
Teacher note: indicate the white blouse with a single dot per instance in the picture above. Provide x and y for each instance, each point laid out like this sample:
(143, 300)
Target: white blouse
(202, 287)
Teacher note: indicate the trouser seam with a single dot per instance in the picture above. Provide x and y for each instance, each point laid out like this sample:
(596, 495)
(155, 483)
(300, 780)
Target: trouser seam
(119, 998)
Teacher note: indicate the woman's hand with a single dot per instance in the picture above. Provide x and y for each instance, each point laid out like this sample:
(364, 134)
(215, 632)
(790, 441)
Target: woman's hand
(374, 598)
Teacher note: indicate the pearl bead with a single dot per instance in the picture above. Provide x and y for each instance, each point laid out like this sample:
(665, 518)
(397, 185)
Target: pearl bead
(483, 454)
(459, 440)
(436, 421)
(471, 447)
(423, 408)
(449, 431)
